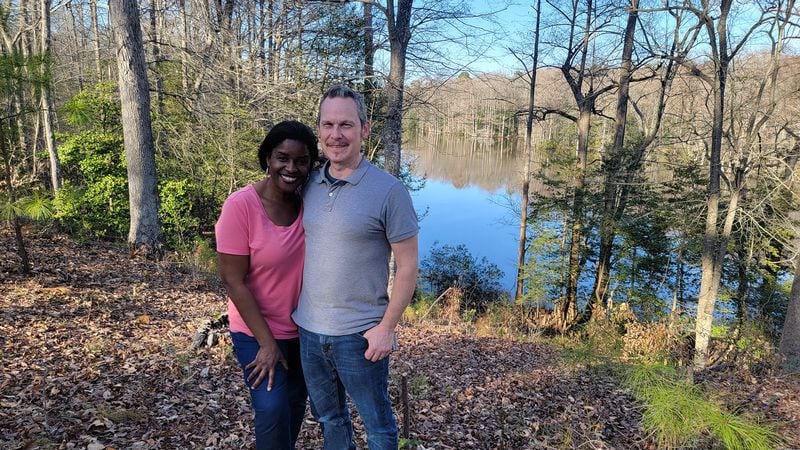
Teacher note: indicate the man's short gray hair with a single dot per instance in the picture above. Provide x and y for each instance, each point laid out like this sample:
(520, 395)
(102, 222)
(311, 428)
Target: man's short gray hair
(341, 91)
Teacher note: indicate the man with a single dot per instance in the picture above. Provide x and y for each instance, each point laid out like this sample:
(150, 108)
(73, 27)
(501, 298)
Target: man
(355, 214)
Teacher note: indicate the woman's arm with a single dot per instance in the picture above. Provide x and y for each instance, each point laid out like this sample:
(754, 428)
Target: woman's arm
(233, 271)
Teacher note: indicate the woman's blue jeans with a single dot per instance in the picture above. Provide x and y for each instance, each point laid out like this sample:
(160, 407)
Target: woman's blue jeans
(335, 364)
(278, 413)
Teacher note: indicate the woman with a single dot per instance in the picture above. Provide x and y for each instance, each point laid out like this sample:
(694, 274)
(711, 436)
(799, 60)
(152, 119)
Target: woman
(261, 247)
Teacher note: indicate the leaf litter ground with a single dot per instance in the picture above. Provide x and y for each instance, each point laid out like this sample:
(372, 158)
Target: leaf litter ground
(96, 353)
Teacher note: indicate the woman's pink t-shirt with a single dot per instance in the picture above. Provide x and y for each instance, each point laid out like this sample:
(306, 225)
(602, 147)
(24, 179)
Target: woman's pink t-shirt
(276, 260)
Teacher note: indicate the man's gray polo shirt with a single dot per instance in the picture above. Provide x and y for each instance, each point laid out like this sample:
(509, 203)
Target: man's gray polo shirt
(349, 226)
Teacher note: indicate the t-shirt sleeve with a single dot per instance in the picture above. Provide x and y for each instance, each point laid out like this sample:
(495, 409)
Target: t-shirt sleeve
(231, 231)
(401, 218)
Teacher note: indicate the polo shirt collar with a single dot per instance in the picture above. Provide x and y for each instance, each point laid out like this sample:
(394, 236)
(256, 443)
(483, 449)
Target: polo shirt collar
(354, 178)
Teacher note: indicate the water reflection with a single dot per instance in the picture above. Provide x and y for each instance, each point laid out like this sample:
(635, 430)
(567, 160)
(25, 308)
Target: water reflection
(487, 165)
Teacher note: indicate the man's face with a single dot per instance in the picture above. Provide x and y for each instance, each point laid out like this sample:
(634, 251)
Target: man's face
(340, 131)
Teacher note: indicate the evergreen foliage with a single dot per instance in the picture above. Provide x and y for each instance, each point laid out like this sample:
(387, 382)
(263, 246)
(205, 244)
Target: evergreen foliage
(679, 415)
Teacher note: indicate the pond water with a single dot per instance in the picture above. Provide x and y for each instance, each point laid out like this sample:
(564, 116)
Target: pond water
(471, 196)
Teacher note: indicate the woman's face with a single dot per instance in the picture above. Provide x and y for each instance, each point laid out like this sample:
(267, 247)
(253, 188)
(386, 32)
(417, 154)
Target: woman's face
(289, 165)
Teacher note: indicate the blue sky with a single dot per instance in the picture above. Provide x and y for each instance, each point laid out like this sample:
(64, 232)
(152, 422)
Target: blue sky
(512, 27)
(516, 21)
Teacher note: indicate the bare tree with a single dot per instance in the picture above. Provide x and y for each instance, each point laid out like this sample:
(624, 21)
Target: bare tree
(526, 177)
(717, 234)
(46, 98)
(98, 76)
(369, 58)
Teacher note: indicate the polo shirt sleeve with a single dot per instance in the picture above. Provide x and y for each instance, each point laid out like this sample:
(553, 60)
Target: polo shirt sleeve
(399, 214)
(232, 231)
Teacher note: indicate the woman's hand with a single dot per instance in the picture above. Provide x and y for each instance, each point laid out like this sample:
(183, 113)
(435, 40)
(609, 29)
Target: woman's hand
(263, 365)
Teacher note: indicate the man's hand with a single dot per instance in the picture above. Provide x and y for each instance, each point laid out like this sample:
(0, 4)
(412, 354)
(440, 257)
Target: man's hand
(381, 343)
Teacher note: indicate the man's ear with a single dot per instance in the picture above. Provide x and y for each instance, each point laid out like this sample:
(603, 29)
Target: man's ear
(365, 129)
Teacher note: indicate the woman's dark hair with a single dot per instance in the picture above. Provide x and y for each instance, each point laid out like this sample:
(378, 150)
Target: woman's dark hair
(288, 129)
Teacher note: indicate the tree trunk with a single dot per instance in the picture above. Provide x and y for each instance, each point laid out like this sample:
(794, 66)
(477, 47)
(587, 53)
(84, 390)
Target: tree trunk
(276, 38)
(399, 23)
(145, 229)
(526, 180)
(261, 41)
(369, 60)
(25, 264)
(46, 100)
(789, 350)
(714, 242)
(96, 42)
(576, 229)
(611, 163)
(585, 104)
(79, 47)
(156, 51)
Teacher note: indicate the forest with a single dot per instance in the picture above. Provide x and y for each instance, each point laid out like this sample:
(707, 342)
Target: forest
(661, 136)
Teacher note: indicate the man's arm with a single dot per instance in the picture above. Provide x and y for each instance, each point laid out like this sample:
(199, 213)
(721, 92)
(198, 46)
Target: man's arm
(381, 336)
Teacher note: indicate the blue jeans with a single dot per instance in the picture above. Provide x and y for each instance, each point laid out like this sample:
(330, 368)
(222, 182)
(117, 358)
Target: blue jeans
(335, 364)
(279, 412)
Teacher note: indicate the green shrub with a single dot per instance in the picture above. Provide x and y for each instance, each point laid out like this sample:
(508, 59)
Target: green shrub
(748, 344)
(98, 210)
(95, 203)
(94, 199)
(454, 266)
(672, 415)
(178, 222)
(37, 206)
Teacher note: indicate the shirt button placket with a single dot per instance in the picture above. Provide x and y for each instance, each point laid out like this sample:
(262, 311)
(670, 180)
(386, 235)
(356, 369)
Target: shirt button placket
(331, 197)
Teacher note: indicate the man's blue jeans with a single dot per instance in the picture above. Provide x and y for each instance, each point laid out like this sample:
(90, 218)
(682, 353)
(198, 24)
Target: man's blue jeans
(279, 412)
(335, 364)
